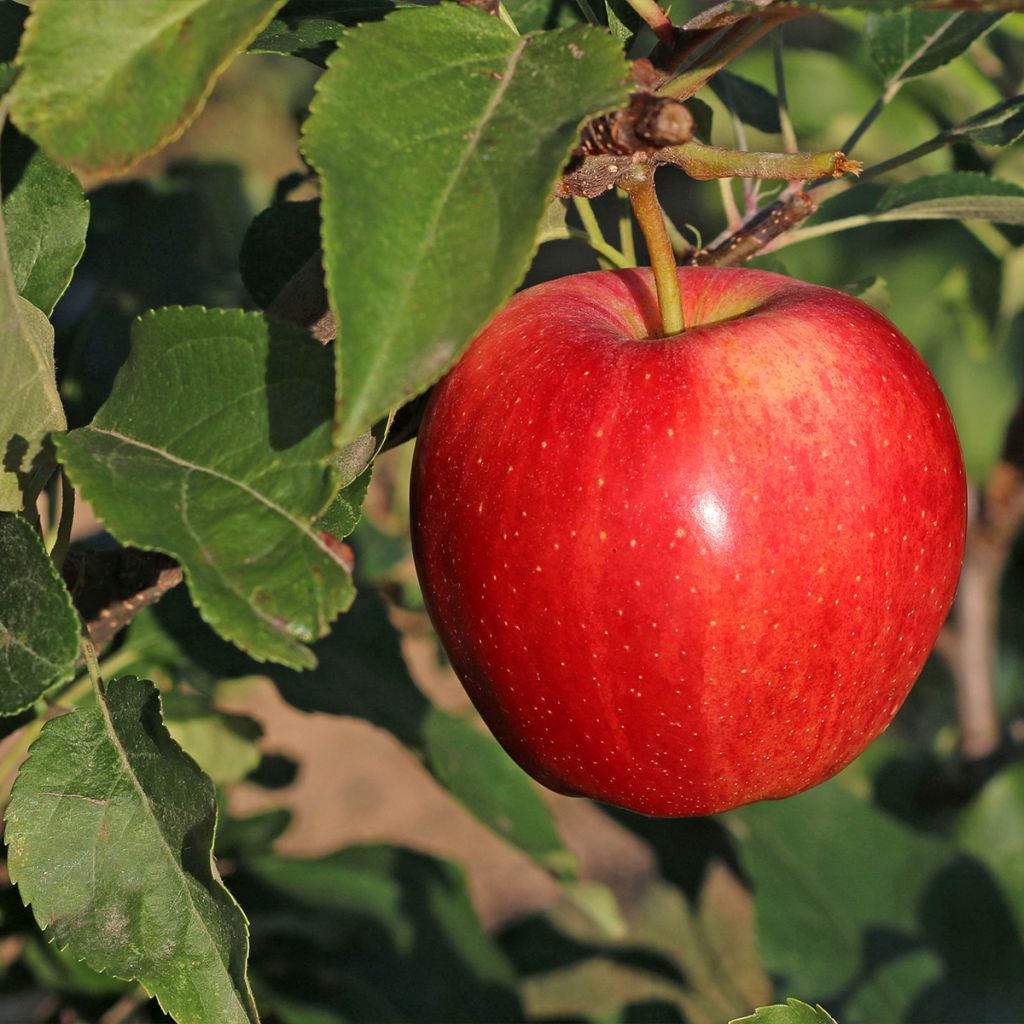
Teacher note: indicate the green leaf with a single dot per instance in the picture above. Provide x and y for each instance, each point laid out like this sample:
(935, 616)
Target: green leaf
(818, 909)
(793, 1012)
(907, 43)
(55, 968)
(215, 448)
(874, 291)
(992, 828)
(998, 126)
(354, 464)
(38, 625)
(347, 508)
(110, 834)
(552, 226)
(312, 28)
(961, 195)
(534, 15)
(725, 13)
(361, 673)
(46, 216)
(753, 104)
(677, 961)
(251, 834)
(427, 233)
(703, 117)
(341, 929)
(31, 408)
(279, 241)
(223, 745)
(12, 21)
(147, 66)
(623, 22)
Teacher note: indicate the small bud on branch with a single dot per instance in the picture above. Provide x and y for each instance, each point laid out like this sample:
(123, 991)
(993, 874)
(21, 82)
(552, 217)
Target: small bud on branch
(648, 123)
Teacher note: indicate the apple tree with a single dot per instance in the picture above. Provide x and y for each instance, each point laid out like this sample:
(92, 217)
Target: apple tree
(209, 393)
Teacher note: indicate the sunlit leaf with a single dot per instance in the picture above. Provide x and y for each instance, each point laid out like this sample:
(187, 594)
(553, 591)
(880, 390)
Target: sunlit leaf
(417, 260)
(792, 1012)
(147, 66)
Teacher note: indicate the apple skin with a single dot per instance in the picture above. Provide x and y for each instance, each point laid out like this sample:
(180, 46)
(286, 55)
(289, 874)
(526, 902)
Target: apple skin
(682, 574)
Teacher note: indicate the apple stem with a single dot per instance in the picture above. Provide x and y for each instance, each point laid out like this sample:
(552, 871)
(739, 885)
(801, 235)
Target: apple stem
(639, 185)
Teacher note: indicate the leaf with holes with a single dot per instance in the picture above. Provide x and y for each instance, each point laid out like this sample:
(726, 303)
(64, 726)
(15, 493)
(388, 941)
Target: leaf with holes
(427, 230)
(107, 789)
(752, 103)
(215, 448)
(147, 66)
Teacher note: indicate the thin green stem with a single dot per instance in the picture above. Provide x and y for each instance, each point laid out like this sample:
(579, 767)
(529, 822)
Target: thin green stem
(820, 230)
(785, 121)
(589, 12)
(111, 664)
(67, 517)
(689, 82)
(680, 243)
(91, 664)
(707, 162)
(732, 211)
(588, 219)
(608, 255)
(906, 157)
(594, 236)
(990, 237)
(627, 243)
(640, 187)
(872, 115)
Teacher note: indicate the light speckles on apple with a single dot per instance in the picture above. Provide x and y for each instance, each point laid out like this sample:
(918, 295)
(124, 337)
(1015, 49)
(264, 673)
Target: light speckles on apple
(740, 486)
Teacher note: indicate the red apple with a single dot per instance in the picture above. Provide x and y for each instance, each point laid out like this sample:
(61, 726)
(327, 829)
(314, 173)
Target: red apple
(682, 574)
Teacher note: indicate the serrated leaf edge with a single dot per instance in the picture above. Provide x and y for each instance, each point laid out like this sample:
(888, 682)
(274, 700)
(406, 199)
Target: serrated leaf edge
(348, 429)
(174, 132)
(211, 789)
(305, 659)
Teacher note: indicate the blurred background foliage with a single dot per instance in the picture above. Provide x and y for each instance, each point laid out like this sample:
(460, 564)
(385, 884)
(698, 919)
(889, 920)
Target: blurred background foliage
(393, 863)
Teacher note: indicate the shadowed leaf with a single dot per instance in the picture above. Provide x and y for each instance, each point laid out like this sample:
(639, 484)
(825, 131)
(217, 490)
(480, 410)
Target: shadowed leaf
(214, 447)
(107, 786)
(148, 66)
(38, 625)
